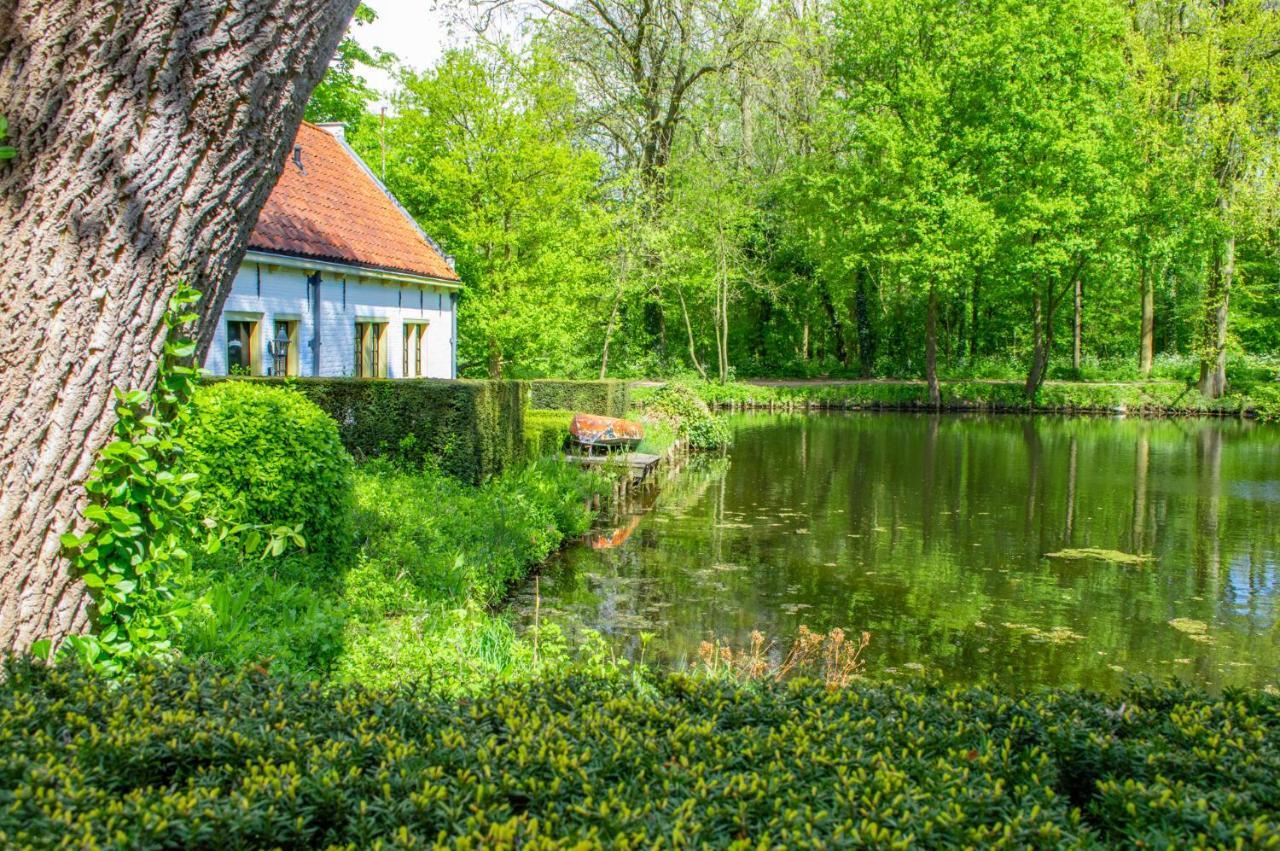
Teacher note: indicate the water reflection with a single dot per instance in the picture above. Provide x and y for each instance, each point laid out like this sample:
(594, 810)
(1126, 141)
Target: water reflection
(931, 532)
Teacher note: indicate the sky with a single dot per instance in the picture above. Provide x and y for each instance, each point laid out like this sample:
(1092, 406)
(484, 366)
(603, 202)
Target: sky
(413, 30)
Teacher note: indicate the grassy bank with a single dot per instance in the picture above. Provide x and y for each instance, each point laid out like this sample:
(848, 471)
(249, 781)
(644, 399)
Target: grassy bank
(413, 601)
(198, 758)
(1164, 398)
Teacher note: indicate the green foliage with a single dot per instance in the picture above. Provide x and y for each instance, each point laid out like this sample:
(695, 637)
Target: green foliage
(343, 94)
(269, 455)
(1152, 397)
(595, 759)
(6, 151)
(469, 429)
(413, 603)
(605, 398)
(545, 432)
(483, 152)
(142, 512)
(689, 416)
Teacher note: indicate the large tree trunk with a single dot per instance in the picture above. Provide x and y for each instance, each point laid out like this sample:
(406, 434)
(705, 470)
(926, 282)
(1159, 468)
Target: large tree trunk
(1213, 360)
(1146, 342)
(149, 135)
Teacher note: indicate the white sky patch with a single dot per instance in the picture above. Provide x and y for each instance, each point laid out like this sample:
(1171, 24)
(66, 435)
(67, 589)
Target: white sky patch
(418, 32)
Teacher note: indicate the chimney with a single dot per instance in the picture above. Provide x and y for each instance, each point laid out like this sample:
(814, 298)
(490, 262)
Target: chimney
(336, 129)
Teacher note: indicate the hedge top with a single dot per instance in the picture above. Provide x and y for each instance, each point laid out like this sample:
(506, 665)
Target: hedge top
(195, 757)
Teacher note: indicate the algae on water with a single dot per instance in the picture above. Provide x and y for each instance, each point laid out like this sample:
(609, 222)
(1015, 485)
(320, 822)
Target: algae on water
(1112, 556)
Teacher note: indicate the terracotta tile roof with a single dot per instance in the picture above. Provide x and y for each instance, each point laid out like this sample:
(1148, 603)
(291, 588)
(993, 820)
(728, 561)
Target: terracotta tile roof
(333, 209)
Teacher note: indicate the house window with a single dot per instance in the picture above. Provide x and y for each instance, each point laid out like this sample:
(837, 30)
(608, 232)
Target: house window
(284, 347)
(371, 349)
(415, 338)
(242, 341)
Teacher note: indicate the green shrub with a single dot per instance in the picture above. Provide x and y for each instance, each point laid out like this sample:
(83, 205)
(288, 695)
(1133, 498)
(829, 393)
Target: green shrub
(606, 398)
(690, 416)
(194, 757)
(268, 455)
(545, 432)
(469, 429)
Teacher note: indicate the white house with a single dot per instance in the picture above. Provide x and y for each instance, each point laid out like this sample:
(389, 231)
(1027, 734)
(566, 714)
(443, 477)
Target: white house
(338, 280)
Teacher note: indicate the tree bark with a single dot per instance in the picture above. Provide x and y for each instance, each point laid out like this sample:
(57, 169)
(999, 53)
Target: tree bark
(1213, 360)
(931, 350)
(1146, 342)
(149, 136)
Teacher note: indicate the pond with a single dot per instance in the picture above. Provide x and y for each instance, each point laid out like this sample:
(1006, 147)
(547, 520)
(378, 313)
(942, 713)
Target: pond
(933, 532)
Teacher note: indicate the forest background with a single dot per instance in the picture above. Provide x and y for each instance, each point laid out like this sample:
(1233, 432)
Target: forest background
(844, 188)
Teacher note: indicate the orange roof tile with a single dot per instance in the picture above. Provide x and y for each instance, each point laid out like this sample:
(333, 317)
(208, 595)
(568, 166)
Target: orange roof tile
(331, 208)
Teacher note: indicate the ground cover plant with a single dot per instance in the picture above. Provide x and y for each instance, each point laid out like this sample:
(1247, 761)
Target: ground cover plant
(196, 757)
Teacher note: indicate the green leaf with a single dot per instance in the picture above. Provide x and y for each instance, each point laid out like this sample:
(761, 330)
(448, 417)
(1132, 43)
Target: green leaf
(93, 580)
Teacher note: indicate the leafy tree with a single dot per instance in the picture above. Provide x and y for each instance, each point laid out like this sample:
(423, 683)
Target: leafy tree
(482, 152)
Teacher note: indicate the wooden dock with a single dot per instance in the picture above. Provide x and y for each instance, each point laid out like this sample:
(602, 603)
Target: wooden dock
(636, 466)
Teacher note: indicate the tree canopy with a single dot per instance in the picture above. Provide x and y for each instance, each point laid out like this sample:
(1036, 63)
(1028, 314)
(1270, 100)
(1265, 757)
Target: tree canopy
(909, 188)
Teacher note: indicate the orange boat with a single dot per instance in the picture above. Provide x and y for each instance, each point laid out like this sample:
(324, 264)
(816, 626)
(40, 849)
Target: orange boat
(595, 432)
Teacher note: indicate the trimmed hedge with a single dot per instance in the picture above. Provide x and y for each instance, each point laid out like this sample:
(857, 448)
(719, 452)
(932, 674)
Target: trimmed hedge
(194, 757)
(471, 429)
(545, 432)
(605, 398)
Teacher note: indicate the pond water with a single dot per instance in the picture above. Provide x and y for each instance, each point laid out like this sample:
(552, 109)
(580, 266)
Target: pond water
(932, 532)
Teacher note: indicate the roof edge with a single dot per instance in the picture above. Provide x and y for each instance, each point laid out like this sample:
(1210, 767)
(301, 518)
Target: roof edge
(351, 152)
(308, 262)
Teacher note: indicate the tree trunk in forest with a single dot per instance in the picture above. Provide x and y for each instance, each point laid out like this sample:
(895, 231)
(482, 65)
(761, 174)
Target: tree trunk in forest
(1039, 350)
(837, 327)
(494, 359)
(148, 137)
(866, 333)
(1147, 335)
(1213, 359)
(973, 314)
(608, 335)
(688, 327)
(1077, 327)
(931, 349)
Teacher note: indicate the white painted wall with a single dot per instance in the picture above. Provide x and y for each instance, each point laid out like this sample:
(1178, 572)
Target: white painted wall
(267, 292)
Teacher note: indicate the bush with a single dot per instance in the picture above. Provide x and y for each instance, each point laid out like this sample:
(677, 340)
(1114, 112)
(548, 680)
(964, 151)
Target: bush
(606, 398)
(469, 429)
(545, 432)
(195, 757)
(268, 455)
(690, 416)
